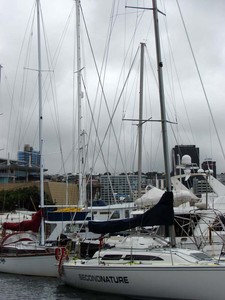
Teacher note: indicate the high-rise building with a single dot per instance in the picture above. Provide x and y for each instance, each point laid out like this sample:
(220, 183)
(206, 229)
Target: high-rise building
(209, 164)
(179, 151)
(29, 156)
(119, 187)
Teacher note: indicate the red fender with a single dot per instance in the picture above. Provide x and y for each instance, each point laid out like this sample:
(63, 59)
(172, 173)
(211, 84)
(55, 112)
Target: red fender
(60, 252)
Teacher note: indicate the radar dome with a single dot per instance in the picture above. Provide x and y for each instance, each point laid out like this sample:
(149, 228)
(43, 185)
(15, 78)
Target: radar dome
(186, 160)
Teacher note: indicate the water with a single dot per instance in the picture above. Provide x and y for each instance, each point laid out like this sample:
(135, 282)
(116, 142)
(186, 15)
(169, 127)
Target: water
(19, 287)
(16, 287)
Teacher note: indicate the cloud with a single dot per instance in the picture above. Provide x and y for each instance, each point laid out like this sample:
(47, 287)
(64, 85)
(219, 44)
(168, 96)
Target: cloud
(115, 33)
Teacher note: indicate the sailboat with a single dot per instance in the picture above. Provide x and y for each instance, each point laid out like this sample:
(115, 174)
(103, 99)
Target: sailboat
(164, 272)
(22, 251)
(199, 222)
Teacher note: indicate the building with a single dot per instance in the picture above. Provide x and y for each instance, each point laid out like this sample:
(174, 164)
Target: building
(179, 151)
(201, 186)
(221, 178)
(29, 156)
(26, 168)
(119, 187)
(209, 164)
(13, 171)
(59, 192)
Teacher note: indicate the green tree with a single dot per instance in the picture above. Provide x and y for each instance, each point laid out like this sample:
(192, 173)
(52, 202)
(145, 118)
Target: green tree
(26, 198)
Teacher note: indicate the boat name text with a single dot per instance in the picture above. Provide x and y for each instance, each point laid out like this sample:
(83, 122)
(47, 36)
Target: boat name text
(107, 279)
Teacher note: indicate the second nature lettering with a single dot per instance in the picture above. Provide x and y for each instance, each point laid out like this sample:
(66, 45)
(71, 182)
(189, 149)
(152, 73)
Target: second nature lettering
(107, 279)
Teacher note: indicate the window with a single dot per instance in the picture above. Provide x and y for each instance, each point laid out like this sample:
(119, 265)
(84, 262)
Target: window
(112, 257)
(141, 257)
(115, 215)
(201, 256)
(127, 213)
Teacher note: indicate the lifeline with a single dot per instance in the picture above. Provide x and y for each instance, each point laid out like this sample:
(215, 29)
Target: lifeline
(110, 279)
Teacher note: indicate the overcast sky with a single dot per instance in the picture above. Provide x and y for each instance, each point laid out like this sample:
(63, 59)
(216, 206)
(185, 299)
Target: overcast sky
(115, 33)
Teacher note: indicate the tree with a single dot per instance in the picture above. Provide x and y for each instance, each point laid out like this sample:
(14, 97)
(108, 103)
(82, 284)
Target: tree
(26, 198)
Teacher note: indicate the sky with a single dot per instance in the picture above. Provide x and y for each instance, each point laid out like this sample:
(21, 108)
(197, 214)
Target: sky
(193, 55)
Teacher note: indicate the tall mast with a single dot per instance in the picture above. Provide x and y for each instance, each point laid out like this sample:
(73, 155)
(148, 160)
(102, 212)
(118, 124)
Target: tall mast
(161, 96)
(81, 144)
(140, 120)
(163, 110)
(40, 122)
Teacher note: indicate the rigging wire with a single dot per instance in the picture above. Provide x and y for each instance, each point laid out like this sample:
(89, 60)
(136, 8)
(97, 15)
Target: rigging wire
(51, 74)
(13, 96)
(52, 62)
(111, 116)
(102, 74)
(201, 81)
(126, 103)
(178, 119)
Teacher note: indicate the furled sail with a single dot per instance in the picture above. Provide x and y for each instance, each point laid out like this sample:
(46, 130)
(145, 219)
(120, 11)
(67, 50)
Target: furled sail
(161, 214)
(32, 225)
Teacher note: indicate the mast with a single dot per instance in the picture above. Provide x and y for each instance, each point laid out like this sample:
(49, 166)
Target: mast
(163, 109)
(140, 120)
(81, 143)
(161, 96)
(40, 123)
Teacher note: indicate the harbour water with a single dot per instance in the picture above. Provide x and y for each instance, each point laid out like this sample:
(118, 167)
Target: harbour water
(18, 287)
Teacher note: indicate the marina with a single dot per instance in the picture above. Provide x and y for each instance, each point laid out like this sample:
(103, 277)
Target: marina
(39, 288)
(150, 242)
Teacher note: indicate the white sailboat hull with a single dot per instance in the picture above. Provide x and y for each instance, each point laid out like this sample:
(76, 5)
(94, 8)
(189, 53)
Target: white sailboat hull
(175, 282)
(33, 265)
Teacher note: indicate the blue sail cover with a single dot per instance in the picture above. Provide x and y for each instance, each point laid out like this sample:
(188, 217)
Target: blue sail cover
(161, 214)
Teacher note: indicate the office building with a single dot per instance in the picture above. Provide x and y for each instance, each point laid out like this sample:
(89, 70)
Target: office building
(117, 188)
(209, 164)
(179, 151)
(29, 156)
